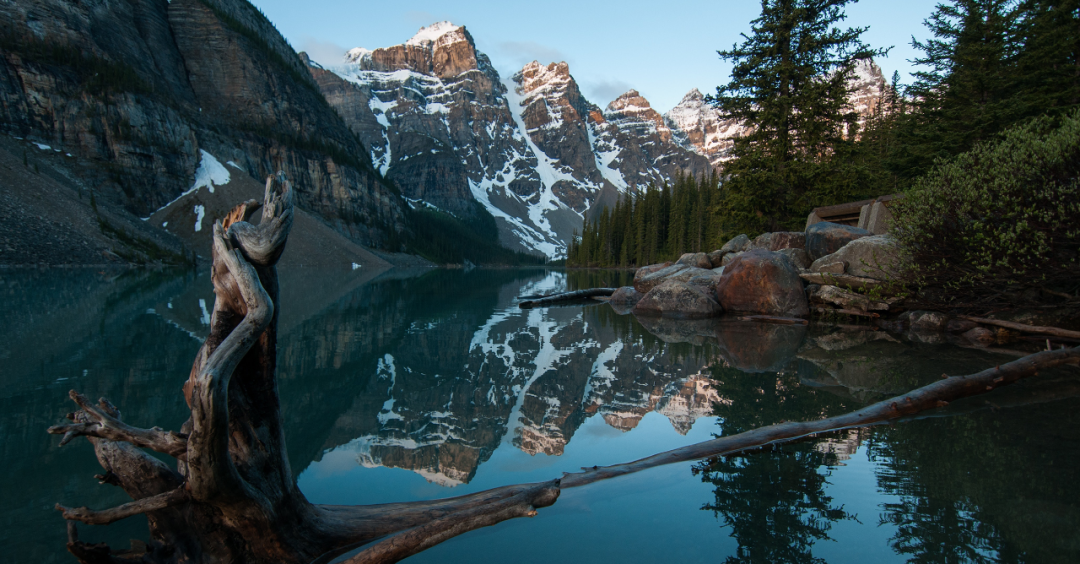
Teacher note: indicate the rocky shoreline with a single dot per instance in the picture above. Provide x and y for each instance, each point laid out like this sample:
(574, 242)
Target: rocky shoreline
(829, 271)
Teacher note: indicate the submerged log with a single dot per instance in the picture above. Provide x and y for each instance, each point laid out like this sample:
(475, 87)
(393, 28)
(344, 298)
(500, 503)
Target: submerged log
(1025, 328)
(231, 496)
(773, 319)
(567, 297)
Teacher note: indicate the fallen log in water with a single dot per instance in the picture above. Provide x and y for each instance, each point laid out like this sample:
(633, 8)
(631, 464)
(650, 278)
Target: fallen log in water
(1023, 327)
(774, 319)
(935, 395)
(567, 297)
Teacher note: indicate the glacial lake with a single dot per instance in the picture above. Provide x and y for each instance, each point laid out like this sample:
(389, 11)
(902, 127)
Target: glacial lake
(405, 385)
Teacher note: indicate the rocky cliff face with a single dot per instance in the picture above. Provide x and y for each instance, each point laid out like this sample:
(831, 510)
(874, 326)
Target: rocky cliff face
(137, 88)
(537, 155)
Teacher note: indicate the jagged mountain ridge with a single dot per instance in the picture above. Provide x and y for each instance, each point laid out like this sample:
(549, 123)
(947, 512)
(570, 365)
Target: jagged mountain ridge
(532, 150)
(444, 125)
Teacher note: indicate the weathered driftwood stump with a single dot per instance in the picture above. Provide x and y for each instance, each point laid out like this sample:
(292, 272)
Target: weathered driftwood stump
(232, 498)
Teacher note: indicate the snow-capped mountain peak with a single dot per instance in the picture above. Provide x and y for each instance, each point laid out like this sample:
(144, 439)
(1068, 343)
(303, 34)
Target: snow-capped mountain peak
(356, 54)
(432, 33)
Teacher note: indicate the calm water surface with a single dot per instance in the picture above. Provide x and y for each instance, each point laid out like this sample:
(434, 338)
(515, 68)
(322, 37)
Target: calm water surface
(408, 386)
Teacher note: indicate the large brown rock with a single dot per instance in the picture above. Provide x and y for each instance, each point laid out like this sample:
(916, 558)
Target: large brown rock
(826, 238)
(673, 298)
(780, 240)
(762, 282)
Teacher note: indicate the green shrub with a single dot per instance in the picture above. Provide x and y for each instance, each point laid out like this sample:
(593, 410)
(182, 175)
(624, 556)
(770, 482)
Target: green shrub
(1000, 223)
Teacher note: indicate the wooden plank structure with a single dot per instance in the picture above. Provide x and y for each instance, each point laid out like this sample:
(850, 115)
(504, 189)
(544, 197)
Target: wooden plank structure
(872, 215)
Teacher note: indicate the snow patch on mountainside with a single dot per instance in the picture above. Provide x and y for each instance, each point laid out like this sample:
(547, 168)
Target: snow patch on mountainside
(210, 173)
(432, 33)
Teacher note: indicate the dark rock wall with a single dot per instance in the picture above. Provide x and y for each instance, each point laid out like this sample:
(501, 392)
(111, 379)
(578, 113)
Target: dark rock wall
(135, 88)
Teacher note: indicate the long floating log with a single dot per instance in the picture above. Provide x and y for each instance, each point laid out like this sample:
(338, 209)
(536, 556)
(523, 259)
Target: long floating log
(773, 319)
(938, 394)
(1024, 327)
(567, 297)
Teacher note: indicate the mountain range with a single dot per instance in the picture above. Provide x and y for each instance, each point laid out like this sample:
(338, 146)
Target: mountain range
(142, 94)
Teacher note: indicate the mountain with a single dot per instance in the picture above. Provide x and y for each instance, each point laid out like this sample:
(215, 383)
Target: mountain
(136, 94)
(531, 151)
(701, 128)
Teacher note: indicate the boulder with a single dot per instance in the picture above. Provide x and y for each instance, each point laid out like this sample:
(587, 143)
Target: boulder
(829, 264)
(780, 240)
(762, 282)
(925, 321)
(673, 298)
(715, 258)
(869, 257)
(980, 336)
(646, 270)
(798, 256)
(845, 299)
(737, 244)
(646, 278)
(705, 283)
(696, 260)
(729, 258)
(825, 238)
(624, 299)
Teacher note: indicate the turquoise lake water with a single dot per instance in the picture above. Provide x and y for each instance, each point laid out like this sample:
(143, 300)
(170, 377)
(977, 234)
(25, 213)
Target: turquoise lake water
(417, 385)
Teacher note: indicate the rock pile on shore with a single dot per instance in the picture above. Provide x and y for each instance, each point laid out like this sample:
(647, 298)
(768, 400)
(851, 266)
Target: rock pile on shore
(829, 267)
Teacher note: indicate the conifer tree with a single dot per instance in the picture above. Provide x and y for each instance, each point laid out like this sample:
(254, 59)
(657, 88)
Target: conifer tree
(965, 94)
(789, 84)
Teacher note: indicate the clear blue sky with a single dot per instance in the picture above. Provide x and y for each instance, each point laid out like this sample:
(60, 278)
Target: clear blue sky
(662, 49)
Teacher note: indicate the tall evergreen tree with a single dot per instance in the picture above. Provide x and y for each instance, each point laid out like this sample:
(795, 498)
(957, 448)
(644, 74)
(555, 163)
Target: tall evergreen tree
(965, 94)
(1048, 62)
(789, 84)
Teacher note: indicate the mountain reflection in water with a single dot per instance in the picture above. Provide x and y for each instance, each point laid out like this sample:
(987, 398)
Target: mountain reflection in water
(399, 385)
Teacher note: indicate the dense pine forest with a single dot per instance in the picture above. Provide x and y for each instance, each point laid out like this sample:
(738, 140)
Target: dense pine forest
(990, 65)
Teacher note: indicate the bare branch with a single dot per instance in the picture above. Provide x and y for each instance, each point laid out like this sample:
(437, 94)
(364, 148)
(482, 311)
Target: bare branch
(104, 423)
(1024, 327)
(413, 541)
(137, 507)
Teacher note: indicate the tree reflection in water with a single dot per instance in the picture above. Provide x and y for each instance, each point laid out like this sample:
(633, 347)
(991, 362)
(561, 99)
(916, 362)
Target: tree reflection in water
(989, 486)
(773, 500)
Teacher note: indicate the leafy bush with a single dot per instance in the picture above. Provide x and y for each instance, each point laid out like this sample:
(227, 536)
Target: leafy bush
(1000, 223)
